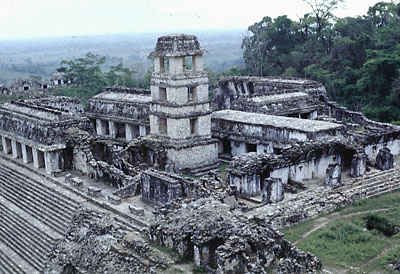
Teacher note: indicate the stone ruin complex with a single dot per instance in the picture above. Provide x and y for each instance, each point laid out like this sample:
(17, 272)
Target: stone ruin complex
(144, 181)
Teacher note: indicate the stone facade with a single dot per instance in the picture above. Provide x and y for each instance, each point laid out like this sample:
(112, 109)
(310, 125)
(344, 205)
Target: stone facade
(120, 113)
(180, 114)
(37, 132)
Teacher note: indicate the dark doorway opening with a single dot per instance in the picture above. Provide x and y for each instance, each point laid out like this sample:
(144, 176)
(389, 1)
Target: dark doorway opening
(251, 147)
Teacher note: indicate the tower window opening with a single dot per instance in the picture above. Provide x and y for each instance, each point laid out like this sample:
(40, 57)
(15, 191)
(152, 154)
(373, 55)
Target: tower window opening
(162, 126)
(192, 94)
(164, 64)
(188, 63)
(162, 94)
(194, 126)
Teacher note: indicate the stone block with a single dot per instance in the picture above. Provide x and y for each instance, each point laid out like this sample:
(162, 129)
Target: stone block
(384, 159)
(94, 191)
(333, 175)
(115, 200)
(136, 210)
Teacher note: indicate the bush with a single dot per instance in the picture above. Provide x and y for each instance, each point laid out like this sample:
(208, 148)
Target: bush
(381, 224)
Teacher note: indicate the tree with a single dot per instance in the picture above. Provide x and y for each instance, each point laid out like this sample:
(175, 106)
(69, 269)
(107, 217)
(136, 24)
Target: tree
(322, 12)
(86, 71)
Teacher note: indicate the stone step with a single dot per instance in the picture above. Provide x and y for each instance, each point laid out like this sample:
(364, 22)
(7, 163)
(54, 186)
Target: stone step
(36, 208)
(39, 185)
(27, 190)
(7, 266)
(15, 243)
(41, 240)
(42, 190)
(204, 170)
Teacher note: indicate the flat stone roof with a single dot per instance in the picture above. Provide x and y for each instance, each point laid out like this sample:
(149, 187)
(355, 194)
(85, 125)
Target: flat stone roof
(298, 124)
(279, 97)
(38, 113)
(124, 97)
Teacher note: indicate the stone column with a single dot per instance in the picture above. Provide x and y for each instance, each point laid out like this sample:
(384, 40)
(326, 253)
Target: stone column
(6, 145)
(129, 132)
(14, 149)
(37, 159)
(51, 161)
(99, 127)
(112, 129)
(26, 154)
(142, 130)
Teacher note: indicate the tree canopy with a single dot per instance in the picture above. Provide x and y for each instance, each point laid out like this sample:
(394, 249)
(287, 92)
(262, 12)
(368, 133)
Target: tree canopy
(357, 58)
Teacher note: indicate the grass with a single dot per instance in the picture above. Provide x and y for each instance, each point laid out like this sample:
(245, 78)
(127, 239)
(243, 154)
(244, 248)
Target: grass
(344, 243)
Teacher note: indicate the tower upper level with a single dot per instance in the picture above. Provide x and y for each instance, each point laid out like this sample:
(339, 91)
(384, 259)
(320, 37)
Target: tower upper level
(177, 55)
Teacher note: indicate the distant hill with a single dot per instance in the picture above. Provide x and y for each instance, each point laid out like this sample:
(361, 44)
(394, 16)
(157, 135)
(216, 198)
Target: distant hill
(40, 57)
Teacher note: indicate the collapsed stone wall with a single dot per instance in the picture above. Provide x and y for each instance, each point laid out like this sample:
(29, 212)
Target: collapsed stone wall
(85, 162)
(231, 89)
(288, 107)
(221, 240)
(164, 188)
(298, 162)
(94, 243)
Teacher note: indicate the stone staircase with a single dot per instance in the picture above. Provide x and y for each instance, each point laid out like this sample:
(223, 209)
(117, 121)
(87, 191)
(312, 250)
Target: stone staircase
(373, 185)
(312, 202)
(7, 265)
(33, 217)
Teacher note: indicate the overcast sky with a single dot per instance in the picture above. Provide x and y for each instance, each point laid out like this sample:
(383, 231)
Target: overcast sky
(47, 18)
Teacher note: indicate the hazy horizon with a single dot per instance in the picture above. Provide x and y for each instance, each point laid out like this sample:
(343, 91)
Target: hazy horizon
(31, 19)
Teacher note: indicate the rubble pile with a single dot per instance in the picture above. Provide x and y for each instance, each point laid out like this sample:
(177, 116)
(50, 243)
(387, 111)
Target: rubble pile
(226, 241)
(94, 243)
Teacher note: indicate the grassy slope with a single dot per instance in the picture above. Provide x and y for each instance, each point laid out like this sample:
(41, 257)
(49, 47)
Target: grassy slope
(343, 243)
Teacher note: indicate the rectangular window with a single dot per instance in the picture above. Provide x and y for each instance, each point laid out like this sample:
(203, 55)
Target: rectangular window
(164, 65)
(162, 94)
(188, 63)
(193, 126)
(192, 94)
(162, 126)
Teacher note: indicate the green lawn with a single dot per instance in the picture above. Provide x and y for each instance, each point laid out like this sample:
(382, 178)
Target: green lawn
(342, 241)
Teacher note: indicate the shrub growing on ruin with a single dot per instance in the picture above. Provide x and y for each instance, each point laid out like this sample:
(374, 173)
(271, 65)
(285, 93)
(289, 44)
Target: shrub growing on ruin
(380, 224)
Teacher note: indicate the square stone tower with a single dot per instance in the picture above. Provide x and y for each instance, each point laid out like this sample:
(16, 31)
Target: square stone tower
(180, 114)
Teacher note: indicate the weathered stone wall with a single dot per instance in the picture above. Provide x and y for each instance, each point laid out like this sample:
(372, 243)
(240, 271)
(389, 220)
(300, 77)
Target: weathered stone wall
(231, 89)
(120, 108)
(208, 232)
(298, 163)
(37, 122)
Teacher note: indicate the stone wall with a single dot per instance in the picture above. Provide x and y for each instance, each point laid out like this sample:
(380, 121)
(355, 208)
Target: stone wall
(231, 89)
(297, 163)
(222, 241)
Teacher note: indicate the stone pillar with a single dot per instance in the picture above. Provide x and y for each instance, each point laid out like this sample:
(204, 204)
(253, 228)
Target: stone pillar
(51, 161)
(129, 132)
(273, 191)
(26, 154)
(99, 128)
(333, 175)
(37, 156)
(6, 145)
(142, 130)
(14, 149)
(384, 159)
(112, 129)
(358, 165)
